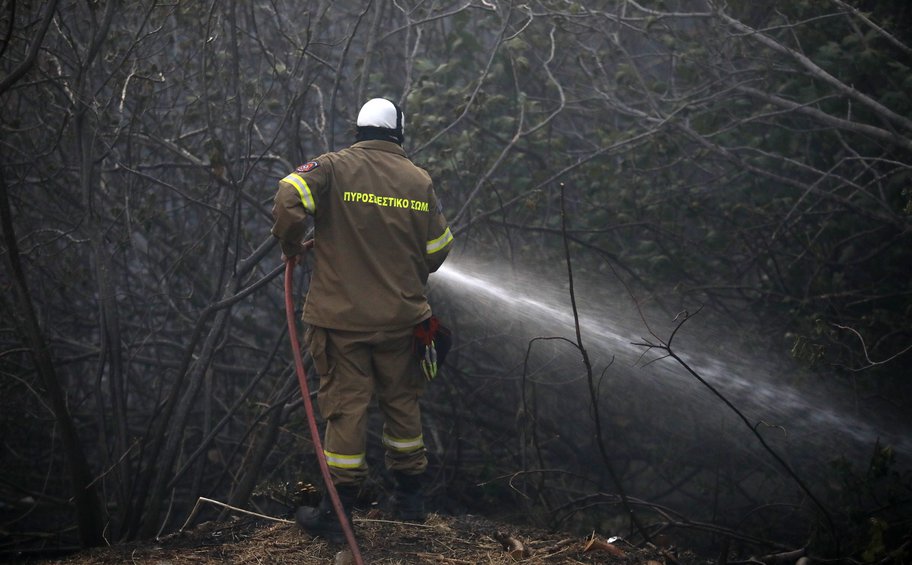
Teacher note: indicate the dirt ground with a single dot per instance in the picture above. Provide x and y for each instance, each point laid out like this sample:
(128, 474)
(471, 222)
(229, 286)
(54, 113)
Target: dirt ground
(441, 539)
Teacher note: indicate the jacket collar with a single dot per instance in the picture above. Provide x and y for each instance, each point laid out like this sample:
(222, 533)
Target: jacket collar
(380, 145)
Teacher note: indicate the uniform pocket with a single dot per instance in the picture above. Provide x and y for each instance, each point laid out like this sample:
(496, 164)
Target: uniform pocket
(328, 402)
(315, 338)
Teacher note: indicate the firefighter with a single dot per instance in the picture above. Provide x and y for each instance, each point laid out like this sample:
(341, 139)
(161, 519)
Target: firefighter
(378, 233)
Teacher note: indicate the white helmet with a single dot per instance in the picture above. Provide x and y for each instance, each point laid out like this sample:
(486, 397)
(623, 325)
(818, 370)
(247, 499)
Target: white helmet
(381, 118)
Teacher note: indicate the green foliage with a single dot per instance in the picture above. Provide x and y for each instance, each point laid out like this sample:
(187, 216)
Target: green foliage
(873, 502)
(806, 351)
(876, 549)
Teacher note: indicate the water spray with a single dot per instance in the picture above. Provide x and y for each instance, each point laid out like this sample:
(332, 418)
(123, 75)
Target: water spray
(611, 328)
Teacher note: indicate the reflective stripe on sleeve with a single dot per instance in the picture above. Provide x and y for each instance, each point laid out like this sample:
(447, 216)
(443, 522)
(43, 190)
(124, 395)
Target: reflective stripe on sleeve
(436, 245)
(297, 181)
(403, 445)
(340, 461)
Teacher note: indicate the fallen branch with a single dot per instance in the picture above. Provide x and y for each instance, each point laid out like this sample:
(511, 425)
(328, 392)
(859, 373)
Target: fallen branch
(229, 507)
(784, 557)
(398, 523)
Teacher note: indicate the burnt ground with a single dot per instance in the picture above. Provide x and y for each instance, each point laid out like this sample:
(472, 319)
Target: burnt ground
(441, 539)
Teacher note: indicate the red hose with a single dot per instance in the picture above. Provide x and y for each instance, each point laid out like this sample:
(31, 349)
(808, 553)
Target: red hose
(311, 420)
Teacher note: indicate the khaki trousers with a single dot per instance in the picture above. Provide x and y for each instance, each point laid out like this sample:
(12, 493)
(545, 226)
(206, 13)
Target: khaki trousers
(353, 367)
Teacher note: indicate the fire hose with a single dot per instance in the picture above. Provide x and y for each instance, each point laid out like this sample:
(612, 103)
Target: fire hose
(311, 419)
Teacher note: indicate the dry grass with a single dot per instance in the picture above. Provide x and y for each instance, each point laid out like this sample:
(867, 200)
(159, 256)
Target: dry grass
(443, 540)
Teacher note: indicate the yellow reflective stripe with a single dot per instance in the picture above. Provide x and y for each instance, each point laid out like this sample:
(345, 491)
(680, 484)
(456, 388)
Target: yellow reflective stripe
(436, 245)
(340, 461)
(297, 181)
(403, 445)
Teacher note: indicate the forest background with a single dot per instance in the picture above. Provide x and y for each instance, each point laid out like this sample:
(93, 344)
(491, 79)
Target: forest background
(733, 175)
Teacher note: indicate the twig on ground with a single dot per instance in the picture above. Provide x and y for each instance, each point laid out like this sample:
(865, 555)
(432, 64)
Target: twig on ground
(229, 507)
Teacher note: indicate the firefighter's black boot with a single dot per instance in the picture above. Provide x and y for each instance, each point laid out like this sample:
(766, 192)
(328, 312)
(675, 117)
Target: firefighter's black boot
(322, 521)
(408, 500)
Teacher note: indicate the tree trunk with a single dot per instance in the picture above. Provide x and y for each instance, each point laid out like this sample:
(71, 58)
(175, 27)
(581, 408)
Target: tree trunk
(88, 504)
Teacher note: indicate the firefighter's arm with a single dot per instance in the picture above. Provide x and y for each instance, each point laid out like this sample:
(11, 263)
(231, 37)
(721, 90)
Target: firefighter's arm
(440, 239)
(438, 249)
(290, 216)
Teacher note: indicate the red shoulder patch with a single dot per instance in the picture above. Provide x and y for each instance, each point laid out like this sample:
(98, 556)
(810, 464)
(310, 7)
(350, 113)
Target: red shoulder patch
(307, 167)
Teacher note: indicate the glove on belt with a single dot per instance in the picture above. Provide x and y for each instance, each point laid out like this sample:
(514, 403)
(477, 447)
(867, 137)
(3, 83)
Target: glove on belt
(431, 344)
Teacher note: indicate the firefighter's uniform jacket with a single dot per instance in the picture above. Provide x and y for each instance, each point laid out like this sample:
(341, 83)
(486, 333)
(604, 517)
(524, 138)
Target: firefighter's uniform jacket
(378, 233)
